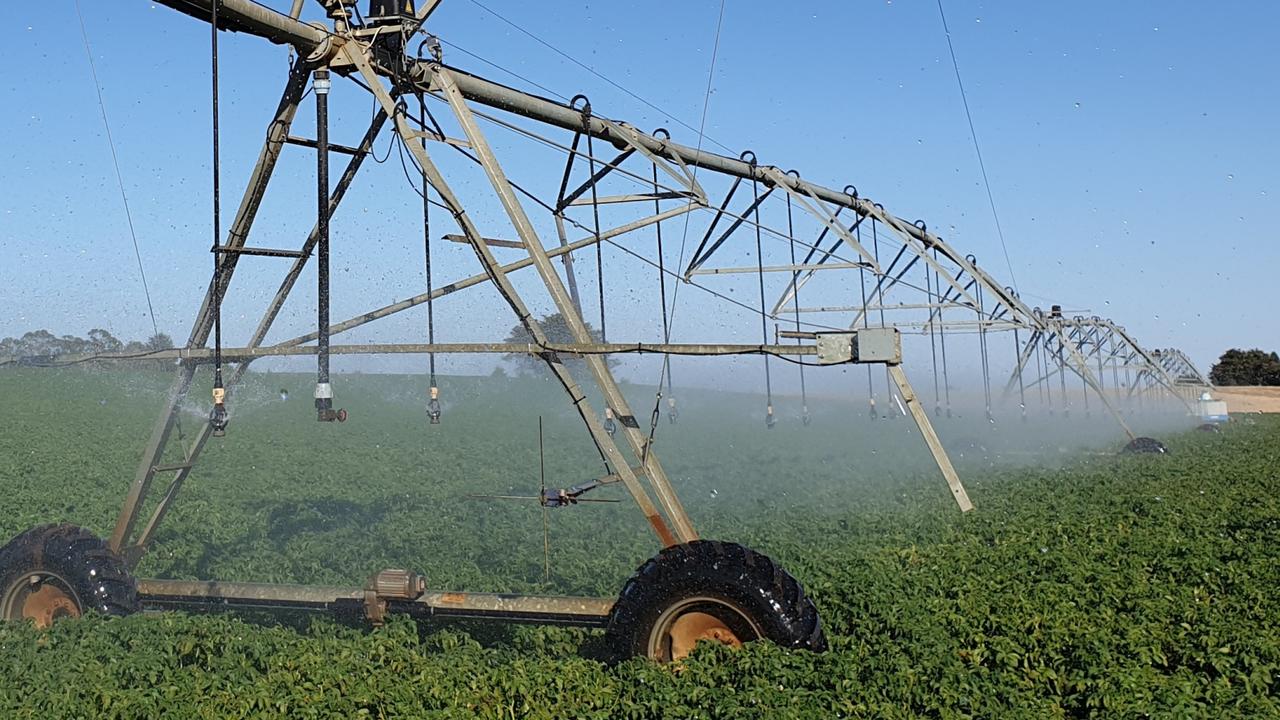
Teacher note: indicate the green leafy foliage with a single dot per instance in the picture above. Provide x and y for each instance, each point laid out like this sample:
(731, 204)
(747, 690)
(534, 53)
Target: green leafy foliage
(556, 328)
(1106, 586)
(1246, 367)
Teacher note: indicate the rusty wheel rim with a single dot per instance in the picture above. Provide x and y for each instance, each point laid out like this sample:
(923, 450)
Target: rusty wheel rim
(41, 597)
(680, 627)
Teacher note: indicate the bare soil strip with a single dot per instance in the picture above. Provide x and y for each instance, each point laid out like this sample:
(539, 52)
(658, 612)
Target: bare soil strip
(1249, 398)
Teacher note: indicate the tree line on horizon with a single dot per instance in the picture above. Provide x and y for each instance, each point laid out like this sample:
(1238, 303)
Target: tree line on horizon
(44, 344)
(1246, 367)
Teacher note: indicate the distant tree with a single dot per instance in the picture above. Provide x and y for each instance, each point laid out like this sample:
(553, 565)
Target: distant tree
(39, 342)
(44, 344)
(1246, 367)
(557, 330)
(103, 341)
(159, 341)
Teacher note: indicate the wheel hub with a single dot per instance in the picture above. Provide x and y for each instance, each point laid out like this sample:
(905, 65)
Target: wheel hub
(679, 628)
(691, 627)
(41, 598)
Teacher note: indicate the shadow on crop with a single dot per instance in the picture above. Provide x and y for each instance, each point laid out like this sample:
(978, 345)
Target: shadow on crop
(318, 515)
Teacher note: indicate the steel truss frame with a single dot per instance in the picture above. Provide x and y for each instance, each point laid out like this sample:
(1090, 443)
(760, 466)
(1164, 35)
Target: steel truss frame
(960, 286)
(1105, 343)
(357, 54)
(1181, 370)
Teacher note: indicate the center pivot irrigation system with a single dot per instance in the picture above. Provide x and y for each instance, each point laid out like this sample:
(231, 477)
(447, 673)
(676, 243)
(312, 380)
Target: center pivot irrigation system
(613, 187)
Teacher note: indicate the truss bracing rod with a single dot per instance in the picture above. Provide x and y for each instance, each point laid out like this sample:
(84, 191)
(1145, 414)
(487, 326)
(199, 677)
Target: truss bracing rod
(682, 526)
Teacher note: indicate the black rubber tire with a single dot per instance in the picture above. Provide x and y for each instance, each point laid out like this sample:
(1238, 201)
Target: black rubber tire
(750, 582)
(1209, 428)
(1146, 445)
(99, 578)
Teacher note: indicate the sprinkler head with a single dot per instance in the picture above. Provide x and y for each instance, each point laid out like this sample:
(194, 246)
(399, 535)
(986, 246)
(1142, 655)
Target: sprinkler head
(554, 498)
(324, 405)
(610, 426)
(769, 420)
(433, 406)
(672, 413)
(218, 418)
(331, 415)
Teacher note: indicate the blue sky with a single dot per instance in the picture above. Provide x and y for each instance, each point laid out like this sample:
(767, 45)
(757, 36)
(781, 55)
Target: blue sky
(1130, 146)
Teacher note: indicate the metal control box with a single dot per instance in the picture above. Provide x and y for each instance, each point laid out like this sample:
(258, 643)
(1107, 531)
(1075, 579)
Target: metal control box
(877, 345)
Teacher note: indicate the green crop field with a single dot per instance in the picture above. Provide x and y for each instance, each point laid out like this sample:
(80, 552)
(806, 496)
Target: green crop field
(1084, 584)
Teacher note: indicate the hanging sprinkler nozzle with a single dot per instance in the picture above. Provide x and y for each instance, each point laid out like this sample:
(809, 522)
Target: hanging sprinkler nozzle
(433, 406)
(324, 405)
(873, 408)
(218, 418)
(804, 416)
(610, 426)
(769, 419)
(672, 412)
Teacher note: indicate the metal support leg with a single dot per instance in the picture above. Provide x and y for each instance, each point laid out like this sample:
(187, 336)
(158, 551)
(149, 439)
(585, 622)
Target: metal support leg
(279, 129)
(930, 437)
(599, 369)
(151, 457)
(683, 531)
